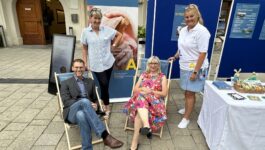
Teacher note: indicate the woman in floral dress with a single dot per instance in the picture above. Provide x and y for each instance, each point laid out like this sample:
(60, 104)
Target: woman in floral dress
(146, 107)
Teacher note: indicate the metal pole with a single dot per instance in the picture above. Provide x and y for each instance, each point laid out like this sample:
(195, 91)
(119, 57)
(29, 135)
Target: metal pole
(153, 35)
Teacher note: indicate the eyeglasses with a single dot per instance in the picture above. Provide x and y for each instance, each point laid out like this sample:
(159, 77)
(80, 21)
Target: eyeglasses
(153, 63)
(78, 67)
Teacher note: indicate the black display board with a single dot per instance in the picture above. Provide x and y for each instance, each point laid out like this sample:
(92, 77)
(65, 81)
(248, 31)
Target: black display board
(63, 49)
(2, 37)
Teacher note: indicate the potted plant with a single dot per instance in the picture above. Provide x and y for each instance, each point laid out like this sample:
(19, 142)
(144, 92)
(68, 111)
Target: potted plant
(141, 34)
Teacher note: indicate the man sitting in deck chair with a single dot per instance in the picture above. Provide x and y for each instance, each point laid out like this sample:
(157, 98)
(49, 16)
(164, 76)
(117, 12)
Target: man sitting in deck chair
(79, 99)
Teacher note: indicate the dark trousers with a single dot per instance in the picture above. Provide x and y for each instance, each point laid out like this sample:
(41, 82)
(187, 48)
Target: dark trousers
(103, 79)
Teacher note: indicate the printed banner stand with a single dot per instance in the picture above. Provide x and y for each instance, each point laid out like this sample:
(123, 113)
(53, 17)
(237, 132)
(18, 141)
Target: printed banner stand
(63, 48)
(162, 26)
(245, 39)
(114, 11)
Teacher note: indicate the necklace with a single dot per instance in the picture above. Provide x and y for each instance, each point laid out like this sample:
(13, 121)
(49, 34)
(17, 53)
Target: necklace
(153, 75)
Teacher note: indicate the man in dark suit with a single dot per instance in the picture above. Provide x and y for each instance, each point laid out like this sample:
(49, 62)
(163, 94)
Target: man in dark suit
(79, 99)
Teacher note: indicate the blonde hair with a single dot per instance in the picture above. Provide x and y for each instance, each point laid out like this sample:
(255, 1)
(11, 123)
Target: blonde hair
(194, 7)
(150, 61)
(95, 11)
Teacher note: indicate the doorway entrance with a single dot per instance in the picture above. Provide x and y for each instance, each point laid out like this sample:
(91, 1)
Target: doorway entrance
(39, 20)
(53, 18)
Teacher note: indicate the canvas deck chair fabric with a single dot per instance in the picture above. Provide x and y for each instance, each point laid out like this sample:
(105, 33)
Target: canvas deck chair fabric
(59, 78)
(166, 68)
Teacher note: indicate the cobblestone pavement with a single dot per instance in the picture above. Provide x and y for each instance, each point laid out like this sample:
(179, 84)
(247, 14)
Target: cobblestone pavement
(30, 119)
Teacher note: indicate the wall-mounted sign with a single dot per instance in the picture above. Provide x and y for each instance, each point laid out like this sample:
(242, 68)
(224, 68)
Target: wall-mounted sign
(178, 21)
(244, 20)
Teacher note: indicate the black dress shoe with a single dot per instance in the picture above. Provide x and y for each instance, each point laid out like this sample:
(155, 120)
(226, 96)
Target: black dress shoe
(149, 135)
(100, 113)
(112, 142)
(146, 131)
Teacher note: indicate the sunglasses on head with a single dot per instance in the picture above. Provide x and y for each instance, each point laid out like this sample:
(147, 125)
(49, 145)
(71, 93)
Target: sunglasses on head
(95, 10)
(191, 6)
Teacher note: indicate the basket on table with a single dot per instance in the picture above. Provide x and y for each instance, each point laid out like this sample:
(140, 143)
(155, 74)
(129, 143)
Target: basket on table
(249, 88)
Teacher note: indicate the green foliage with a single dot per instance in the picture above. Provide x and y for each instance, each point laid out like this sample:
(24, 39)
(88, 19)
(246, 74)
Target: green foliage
(141, 32)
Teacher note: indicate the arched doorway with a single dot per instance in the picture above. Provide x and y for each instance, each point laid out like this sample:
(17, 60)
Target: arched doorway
(53, 18)
(39, 20)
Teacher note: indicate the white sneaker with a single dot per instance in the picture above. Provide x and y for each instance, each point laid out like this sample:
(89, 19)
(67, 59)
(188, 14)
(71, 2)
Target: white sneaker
(182, 111)
(184, 123)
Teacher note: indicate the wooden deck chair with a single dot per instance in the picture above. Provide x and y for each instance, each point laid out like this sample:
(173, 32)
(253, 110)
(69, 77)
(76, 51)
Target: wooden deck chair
(166, 68)
(59, 78)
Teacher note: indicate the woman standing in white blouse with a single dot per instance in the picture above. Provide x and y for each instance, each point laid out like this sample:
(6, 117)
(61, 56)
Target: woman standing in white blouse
(192, 53)
(97, 43)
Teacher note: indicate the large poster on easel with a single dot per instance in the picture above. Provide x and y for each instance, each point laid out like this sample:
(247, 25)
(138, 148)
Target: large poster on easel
(244, 45)
(164, 19)
(122, 16)
(63, 48)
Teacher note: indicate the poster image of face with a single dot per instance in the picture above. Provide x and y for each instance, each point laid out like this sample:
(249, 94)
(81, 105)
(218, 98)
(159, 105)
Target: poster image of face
(124, 20)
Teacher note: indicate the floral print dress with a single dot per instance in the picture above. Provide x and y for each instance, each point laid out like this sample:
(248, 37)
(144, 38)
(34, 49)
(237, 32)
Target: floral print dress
(155, 105)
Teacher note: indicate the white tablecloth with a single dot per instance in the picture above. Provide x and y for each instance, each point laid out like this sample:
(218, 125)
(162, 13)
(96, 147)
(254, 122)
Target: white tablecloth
(229, 124)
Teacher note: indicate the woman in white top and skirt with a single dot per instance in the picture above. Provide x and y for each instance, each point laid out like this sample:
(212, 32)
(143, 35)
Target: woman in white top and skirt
(192, 53)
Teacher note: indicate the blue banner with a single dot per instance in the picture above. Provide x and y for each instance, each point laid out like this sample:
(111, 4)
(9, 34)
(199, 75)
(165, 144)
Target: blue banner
(178, 22)
(167, 19)
(262, 33)
(248, 52)
(122, 83)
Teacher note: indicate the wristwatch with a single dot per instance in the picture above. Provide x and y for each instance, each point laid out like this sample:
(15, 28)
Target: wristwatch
(195, 72)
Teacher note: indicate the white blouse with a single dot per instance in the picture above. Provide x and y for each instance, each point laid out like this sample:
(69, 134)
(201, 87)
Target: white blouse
(100, 57)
